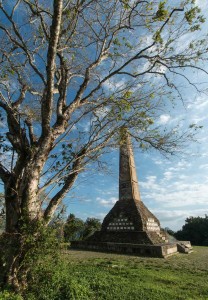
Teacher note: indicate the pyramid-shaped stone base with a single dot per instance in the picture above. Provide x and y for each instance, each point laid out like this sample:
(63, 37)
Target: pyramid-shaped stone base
(130, 228)
(130, 222)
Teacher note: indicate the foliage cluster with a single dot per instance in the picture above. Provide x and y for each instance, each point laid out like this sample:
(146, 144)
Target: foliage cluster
(6, 295)
(77, 229)
(194, 230)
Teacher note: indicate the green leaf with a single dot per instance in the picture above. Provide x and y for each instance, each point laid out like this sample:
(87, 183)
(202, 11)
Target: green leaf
(162, 13)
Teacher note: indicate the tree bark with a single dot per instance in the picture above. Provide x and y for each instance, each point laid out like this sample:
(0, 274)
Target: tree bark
(11, 258)
(22, 214)
(12, 202)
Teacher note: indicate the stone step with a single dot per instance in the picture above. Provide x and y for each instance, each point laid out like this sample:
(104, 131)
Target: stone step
(157, 238)
(158, 233)
(184, 247)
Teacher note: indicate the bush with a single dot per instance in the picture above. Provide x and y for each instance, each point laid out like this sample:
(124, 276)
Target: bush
(54, 280)
(6, 295)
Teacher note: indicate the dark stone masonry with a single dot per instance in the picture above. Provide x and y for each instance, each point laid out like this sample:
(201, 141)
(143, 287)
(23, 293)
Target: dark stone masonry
(130, 227)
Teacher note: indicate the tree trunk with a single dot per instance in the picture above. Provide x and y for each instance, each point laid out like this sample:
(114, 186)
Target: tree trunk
(16, 249)
(12, 202)
(24, 219)
(22, 215)
(11, 258)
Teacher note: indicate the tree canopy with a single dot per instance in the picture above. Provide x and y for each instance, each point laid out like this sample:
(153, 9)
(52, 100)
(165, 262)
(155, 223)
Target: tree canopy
(194, 230)
(73, 228)
(77, 229)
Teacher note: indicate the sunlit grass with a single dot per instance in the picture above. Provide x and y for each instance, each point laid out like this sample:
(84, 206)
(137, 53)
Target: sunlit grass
(83, 275)
(88, 275)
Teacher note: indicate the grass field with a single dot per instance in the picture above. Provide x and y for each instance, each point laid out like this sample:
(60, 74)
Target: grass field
(90, 275)
(83, 275)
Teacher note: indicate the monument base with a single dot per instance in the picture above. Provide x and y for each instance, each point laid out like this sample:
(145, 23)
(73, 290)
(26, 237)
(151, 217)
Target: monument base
(130, 237)
(159, 250)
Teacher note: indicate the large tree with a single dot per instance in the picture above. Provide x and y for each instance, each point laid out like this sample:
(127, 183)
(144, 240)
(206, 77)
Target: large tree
(73, 72)
(194, 230)
(73, 228)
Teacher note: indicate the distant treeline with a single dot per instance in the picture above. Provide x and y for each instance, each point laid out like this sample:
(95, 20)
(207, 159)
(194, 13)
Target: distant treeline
(77, 229)
(195, 230)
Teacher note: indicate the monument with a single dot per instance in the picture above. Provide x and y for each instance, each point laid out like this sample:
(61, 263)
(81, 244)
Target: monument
(130, 227)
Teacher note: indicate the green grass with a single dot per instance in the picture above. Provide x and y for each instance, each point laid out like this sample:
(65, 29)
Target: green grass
(83, 275)
(86, 275)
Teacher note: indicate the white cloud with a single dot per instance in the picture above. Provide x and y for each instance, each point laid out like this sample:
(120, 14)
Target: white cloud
(151, 178)
(164, 119)
(175, 219)
(168, 175)
(150, 184)
(199, 103)
(113, 85)
(162, 69)
(157, 161)
(203, 166)
(101, 112)
(197, 119)
(181, 193)
(107, 202)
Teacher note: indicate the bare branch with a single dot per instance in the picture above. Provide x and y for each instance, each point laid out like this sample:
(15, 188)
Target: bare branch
(14, 8)
(21, 97)
(20, 44)
(51, 67)
(33, 138)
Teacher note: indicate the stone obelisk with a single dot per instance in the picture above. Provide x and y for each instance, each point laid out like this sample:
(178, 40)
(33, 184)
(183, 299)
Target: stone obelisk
(128, 183)
(129, 213)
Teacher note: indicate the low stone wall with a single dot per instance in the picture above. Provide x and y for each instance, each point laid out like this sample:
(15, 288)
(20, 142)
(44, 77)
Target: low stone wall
(161, 251)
